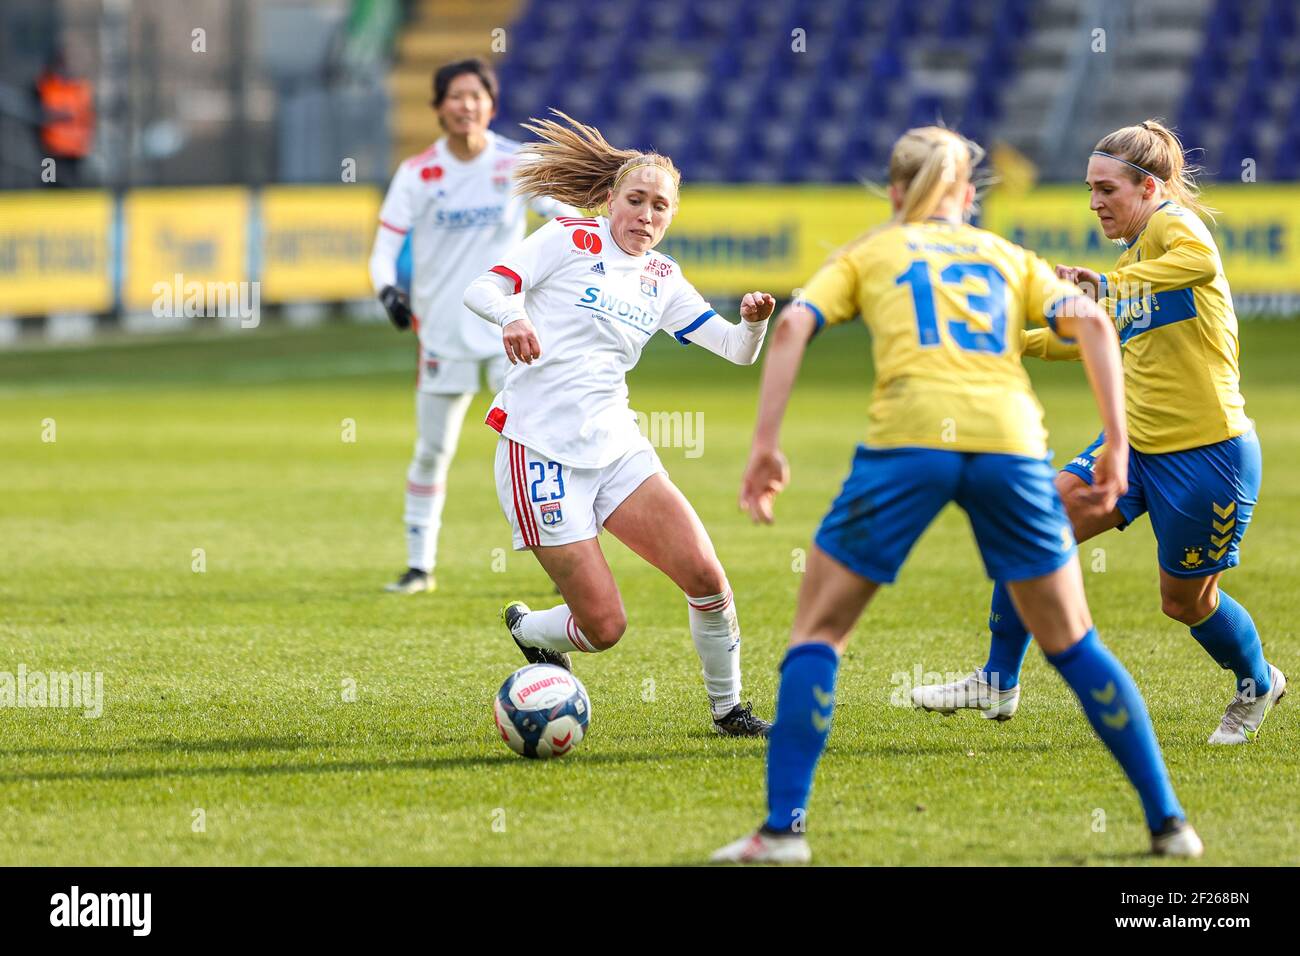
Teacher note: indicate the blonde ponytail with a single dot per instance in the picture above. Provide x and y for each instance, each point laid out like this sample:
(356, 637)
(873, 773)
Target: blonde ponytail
(929, 164)
(576, 165)
(1151, 148)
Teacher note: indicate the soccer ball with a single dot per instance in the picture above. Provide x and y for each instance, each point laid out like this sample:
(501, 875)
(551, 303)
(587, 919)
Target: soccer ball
(542, 711)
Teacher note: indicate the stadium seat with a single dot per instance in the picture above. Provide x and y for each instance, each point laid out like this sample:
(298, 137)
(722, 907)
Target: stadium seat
(1280, 19)
(926, 110)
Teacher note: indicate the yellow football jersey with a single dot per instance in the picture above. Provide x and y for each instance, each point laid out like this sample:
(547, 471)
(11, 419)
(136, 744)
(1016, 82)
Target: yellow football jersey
(946, 305)
(1173, 310)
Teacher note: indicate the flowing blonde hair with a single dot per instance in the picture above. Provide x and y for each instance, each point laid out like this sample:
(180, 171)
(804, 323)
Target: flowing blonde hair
(928, 164)
(576, 165)
(1153, 146)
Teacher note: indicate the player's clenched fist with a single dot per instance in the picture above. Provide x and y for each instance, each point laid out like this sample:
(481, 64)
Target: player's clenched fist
(1085, 279)
(757, 307)
(520, 339)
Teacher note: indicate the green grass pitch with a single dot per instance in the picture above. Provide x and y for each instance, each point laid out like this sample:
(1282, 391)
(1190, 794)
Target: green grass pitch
(227, 738)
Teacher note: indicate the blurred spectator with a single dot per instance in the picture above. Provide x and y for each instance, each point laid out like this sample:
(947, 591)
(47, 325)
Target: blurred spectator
(67, 126)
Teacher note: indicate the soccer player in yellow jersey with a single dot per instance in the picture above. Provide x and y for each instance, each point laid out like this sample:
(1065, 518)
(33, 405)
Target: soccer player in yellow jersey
(1194, 463)
(952, 418)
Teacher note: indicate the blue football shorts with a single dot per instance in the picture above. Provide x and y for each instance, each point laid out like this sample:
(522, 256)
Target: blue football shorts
(1200, 500)
(892, 494)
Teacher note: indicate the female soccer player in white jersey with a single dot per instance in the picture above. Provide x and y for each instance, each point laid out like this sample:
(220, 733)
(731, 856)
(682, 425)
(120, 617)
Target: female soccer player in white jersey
(1195, 459)
(455, 201)
(571, 459)
(953, 418)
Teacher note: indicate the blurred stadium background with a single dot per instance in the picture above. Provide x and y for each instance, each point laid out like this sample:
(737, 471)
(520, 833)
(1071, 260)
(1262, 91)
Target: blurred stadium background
(251, 140)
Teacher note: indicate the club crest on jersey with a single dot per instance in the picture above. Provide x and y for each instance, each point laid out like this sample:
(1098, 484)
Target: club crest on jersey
(658, 267)
(1192, 558)
(649, 287)
(551, 513)
(500, 183)
(599, 268)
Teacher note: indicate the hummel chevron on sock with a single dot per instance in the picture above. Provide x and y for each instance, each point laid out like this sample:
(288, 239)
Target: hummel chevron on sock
(1118, 714)
(805, 703)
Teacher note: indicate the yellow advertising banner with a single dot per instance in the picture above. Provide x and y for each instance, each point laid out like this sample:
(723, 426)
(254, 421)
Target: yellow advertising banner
(56, 252)
(178, 237)
(733, 239)
(316, 242)
(59, 250)
(1257, 230)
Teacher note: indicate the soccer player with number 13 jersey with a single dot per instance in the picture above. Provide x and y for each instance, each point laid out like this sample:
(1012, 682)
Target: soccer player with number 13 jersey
(952, 418)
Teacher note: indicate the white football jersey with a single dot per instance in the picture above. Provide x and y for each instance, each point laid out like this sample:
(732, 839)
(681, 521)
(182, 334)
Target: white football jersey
(594, 308)
(462, 218)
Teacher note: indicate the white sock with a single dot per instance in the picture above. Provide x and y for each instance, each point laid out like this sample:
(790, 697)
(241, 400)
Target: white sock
(438, 422)
(423, 518)
(555, 630)
(716, 633)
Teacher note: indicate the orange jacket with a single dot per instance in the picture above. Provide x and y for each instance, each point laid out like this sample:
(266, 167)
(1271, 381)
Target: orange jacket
(69, 129)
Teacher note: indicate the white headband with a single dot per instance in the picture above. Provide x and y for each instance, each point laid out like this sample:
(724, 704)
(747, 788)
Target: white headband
(1118, 159)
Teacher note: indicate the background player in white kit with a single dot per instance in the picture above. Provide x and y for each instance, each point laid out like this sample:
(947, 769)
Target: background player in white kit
(457, 203)
(571, 459)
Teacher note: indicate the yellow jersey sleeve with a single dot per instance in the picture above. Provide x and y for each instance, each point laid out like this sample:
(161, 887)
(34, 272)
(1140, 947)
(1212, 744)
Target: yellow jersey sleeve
(1189, 258)
(1178, 331)
(1044, 290)
(832, 293)
(1046, 345)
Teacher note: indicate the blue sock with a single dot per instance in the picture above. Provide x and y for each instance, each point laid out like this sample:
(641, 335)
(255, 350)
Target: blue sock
(1229, 636)
(805, 702)
(1008, 640)
(1118, 714)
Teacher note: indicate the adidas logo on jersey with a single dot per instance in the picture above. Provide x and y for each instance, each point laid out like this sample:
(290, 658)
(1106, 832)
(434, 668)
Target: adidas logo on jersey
(599, 268)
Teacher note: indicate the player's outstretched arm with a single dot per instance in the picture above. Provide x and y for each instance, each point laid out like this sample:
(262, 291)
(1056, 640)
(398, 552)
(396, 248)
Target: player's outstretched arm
(1082, 319)
(767, 472)
(738, 342)
(490, 297)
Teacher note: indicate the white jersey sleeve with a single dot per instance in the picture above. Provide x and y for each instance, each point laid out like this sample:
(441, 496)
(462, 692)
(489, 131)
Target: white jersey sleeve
(398, 211)
(530, 262)
(686, 311)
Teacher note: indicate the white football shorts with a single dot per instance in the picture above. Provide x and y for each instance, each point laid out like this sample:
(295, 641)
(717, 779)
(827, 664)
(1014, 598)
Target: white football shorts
(441, 376)
(549, 504)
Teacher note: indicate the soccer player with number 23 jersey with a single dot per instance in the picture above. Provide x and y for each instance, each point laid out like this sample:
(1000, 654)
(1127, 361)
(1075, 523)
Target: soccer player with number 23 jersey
(571, 460)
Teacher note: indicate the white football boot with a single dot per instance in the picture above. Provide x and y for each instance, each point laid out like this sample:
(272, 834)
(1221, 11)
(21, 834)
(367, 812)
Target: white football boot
(760, 847)
(1181, 841)
(969, 693)
(1244, 716)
